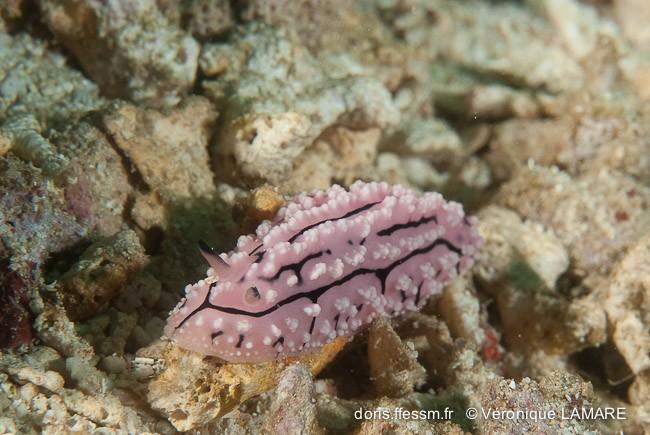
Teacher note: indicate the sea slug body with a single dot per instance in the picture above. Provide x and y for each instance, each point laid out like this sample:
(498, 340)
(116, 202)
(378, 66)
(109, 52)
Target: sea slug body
(329, 263)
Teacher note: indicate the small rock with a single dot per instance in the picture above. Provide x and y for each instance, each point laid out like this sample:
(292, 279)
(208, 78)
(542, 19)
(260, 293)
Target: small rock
(292, 408)
(103, 271)
(130, 49)
(394, 368)
(628, 306)
(169, 150)
(194, 390)
(114, 364)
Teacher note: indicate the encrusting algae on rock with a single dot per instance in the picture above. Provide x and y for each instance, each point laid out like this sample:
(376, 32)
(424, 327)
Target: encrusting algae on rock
(130, 130)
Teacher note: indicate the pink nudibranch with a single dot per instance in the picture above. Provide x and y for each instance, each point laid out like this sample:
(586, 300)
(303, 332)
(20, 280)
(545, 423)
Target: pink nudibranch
(329, 263)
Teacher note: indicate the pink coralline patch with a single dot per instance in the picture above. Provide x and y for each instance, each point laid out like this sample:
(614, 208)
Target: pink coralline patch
(329, 263)
(15, 325)
(492, 350)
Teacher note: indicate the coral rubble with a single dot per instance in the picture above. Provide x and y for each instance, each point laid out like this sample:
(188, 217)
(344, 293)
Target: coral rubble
(131, 130)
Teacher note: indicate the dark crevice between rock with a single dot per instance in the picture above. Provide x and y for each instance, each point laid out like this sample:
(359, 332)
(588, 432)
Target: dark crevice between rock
(570, 284)
(28, 20)
(153, 240)
(60, 262)
(605, 368)
(350, 369)
(237, 9)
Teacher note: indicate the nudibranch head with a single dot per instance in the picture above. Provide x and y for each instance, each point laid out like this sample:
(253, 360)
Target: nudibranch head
(328, 264)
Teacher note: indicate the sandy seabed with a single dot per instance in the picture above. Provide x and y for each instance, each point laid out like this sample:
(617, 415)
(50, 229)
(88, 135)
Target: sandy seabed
(130, 130)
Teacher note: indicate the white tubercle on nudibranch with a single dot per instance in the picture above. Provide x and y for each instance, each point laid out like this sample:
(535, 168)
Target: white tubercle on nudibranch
(330, 262)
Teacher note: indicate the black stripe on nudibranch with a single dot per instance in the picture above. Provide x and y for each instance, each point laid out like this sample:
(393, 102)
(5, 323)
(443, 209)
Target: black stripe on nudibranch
(259, 256)
(316, 293)
(382, 275)
(417, 295)
(216, 334)
(311, 327)
(296, 267)
(345, 216)
(241, 340)
(205, 304)
(411, 224)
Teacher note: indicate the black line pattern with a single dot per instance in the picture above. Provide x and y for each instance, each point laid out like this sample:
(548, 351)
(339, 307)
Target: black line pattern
(411, 224)
(311, 327)
(417, 295)
(256, 248)
(347, 215)
(260, 255)
(296, 267)
(314, 294)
